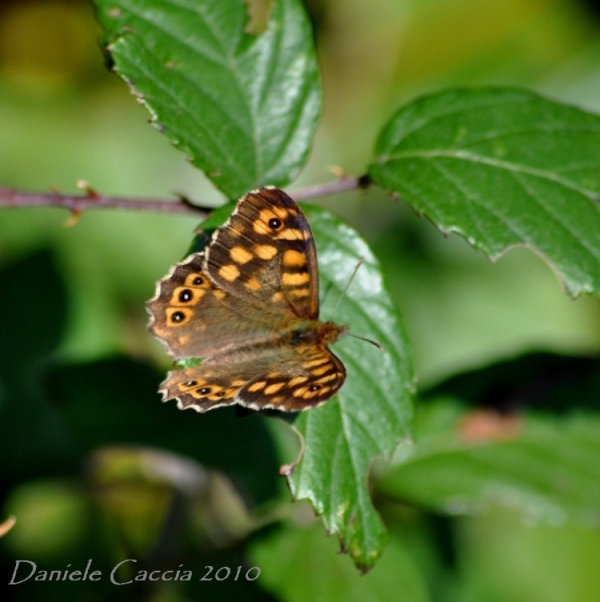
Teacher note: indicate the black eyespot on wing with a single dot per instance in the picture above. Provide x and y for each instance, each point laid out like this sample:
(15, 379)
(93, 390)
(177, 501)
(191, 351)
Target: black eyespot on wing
(198, 280)
(177, 316)
(185, 296)
(275, 223)
(204, 390)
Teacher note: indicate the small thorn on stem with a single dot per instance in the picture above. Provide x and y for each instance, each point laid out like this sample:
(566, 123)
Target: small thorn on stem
(89, 191)
(73, 219)
(337, 171)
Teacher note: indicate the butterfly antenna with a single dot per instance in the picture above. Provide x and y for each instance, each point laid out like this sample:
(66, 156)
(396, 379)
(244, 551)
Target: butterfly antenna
(380, 347)
(361, 261)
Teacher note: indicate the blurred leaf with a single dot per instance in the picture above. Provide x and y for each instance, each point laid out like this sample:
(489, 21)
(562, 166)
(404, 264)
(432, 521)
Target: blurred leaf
(246, 585)
(114, 401)
(546, 468)
(34, 309)
(299, 563)
(537, 381)
(501, 167)
(373, 411)
(33, 304)
(242, 107)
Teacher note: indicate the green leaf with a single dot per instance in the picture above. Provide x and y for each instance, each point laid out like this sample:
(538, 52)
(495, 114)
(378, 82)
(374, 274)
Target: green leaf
(242, 107)
(547, 469)
(373, 411)
(299, 563)
(502, 167)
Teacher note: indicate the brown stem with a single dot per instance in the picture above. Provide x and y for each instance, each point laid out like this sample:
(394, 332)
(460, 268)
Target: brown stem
(91, 200)
(343, 184)
(77, 204)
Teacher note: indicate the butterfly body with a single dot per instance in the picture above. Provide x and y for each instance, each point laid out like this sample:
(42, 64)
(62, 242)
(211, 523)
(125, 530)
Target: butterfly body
(248, 304)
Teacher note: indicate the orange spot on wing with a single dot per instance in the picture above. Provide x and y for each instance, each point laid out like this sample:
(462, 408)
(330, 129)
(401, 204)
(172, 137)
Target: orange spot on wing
(293, 258)
(274, 388)
(300, 292)
(266, 252)
(316, 362)
(295, 279)
(229, 272)
(253, 284)
(240, 255)
(257, 386)
(321, 371)
(291, 234)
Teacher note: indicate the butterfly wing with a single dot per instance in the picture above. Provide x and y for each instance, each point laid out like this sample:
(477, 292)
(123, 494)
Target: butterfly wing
(301, 379)
(232, 304)
(208, 386)
(286, 379)
(188, 314)
(265, 253)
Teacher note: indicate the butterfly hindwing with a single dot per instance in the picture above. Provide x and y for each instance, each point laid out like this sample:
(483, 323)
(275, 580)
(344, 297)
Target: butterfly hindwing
(301, 379)
(286, 379)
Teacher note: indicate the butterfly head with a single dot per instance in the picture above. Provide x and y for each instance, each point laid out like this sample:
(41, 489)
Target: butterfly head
(330, 332)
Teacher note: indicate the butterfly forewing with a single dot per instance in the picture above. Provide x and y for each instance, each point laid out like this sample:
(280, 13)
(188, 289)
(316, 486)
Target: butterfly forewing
(266, 254)
(189, 312)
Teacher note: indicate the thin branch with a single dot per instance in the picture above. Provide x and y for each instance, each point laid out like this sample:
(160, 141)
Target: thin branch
(78, 204)
(343, 184)
(91, 200)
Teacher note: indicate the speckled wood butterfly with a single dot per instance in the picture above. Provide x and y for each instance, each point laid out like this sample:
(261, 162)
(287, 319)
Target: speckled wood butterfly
(249, 305)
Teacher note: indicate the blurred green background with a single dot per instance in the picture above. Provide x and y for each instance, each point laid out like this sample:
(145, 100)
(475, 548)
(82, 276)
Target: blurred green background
(63, 117)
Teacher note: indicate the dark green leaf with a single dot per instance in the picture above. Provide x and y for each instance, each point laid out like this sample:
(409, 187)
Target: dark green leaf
(502, 167)
(242, 107)
(537, 381)
(373, 411)
(115, 401)
(33, 304)
(33, 442)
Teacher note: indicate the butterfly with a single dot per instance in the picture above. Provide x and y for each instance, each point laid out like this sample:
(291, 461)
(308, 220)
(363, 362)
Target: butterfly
(249, 306)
